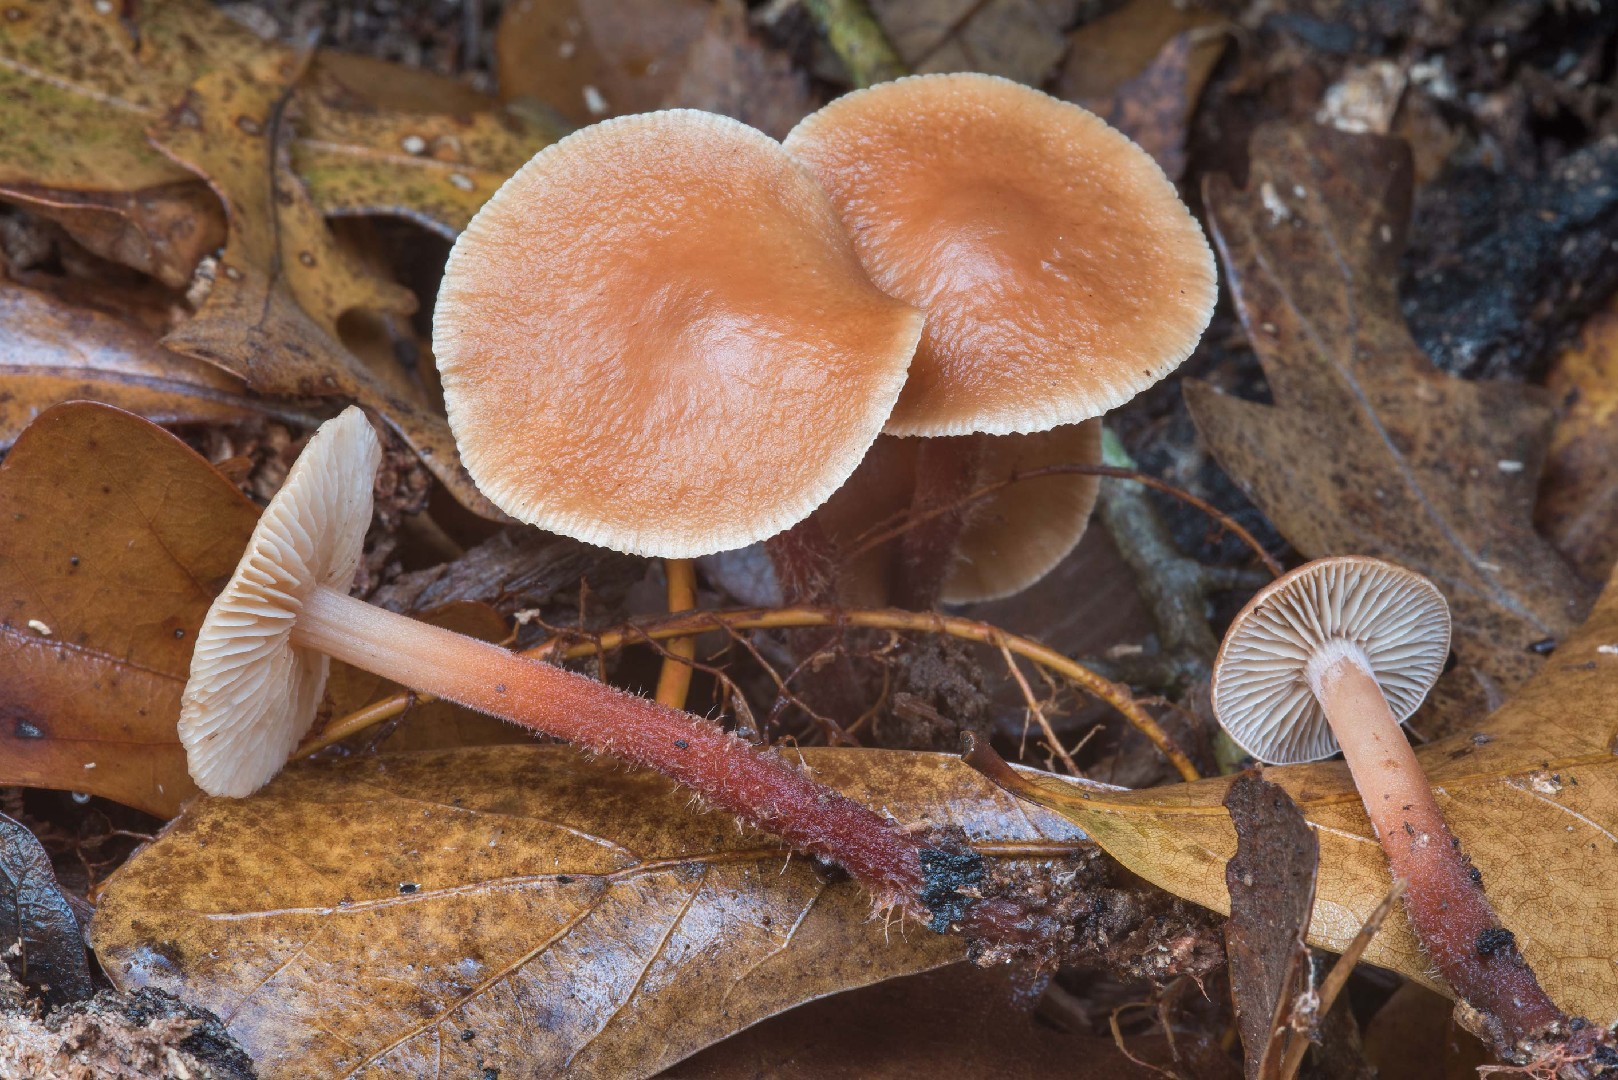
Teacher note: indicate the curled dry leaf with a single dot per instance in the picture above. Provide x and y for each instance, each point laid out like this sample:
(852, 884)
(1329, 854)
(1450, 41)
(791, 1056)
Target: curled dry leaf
(1383, 454)
(1532, 793)
(283, 282)
(116, 538)
(1271, 880)
(520, 909)
(1578, 506)
(39, 934)
(56, 352)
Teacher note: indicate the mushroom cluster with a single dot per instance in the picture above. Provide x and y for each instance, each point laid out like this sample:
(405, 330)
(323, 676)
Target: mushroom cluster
(670, 335)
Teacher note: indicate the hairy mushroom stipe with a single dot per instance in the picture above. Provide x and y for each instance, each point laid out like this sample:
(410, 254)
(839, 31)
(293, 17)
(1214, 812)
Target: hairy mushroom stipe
(1336, 655)
(261, 662)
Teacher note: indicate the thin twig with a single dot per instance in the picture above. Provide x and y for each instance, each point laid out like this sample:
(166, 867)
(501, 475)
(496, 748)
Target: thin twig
(1034, 709)
(696, 622)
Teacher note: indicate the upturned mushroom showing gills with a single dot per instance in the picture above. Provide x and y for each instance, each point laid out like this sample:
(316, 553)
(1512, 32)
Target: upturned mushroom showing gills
(262, 656)
(1335, 656)
(1059, 271)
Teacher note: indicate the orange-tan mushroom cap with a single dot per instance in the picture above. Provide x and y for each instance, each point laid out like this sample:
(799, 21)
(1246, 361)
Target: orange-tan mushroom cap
(1010, 539)
(1261, 692)
(253, 693)
(656, 337)
(1059, 270)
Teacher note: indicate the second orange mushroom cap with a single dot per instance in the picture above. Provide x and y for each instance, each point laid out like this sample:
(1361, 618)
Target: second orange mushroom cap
(1059, 270)
(656, 337)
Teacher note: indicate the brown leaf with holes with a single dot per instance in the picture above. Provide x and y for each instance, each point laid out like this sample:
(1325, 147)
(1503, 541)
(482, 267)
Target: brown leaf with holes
(1578, 505)
(1531, 792)
(1384, 454)
(1271, 881)
(958, 1021)
(520, 909)
(116, 538)
(56, 352)
(284, 285)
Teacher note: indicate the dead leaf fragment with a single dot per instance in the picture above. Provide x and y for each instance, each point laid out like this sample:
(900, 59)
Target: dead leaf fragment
(958, 1021)
(1532, 793)
(1578, 505)
(284, 282)
(1385, 455)
(1019, 39)
(520, 909)
(116, 536)
(591, 59)
(39, 934)
(728, 70)
(56, 352)
(1271, 880)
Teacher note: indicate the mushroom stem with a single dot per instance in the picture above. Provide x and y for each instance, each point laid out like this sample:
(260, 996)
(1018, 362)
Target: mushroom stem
(1443, 897)
(946, 475)
(674, 679)
(728, 773)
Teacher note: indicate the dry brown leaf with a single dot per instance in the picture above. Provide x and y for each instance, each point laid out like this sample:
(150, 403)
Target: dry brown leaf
(1414, 1036)
(520, 909)
(80, 85)
(1019, 39)
(1532, 793)
(1369, 449)
(283, 282)
(1142, 69)
(164, 231)
(958, 1021)
(39, 933)
(117, 537)
(1578, 506)
(56, 352)
(728, 70)
(1271, 881)
(591, 59)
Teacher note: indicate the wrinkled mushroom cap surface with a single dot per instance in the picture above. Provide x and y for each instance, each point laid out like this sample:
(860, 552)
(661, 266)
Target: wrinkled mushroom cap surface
(1059, 270)
(1261, 690)
(656, 337)
(1010, 539)
(253, 693)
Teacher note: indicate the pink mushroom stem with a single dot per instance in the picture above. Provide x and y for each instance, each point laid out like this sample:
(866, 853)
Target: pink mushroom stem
(727, 772)
(1443, 897)
(946, 474)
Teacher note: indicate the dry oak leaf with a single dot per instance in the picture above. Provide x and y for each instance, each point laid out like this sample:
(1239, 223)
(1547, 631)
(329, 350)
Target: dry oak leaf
(79, 84)
(283, 282)
(1369, 449)
(1532, 793)
(1019, 39)
(519, 909)
(1578, 505)
(114, 538)
(56, 352)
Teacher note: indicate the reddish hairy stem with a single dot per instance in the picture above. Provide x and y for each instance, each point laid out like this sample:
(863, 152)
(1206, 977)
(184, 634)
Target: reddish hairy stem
(727, 772)
(1443, 899)
(946, 474)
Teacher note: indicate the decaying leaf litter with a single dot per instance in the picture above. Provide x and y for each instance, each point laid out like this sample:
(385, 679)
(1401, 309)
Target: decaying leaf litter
(211, 222)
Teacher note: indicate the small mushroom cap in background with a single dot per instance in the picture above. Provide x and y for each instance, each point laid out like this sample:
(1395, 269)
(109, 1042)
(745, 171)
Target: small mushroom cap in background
(1261, 691)
(252, 693)
(1010, 539)
(657, 338)
(1060, 273)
